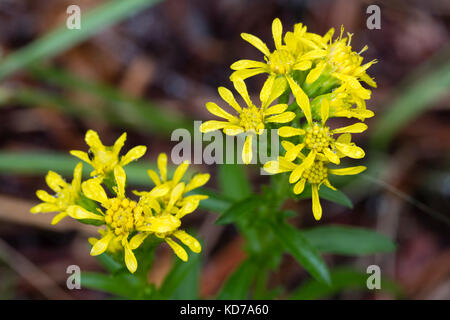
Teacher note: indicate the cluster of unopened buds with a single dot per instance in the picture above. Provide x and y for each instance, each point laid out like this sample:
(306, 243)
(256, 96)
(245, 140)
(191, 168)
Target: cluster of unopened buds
(125, 223)
(325, 78)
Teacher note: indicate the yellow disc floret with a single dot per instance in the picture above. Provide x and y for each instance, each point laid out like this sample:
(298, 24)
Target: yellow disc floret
(252, 119)
(123, 215)
(317, 137)
(317, 173)
(281, 61)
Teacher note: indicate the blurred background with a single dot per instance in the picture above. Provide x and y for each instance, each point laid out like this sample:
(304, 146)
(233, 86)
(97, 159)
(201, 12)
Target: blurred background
(148, 67)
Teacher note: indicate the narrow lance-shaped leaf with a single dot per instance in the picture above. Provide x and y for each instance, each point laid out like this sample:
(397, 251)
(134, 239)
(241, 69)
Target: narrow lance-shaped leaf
(348, 240)
(301, 249)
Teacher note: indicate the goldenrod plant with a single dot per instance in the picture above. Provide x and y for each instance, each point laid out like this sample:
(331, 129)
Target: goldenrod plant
(309, 81)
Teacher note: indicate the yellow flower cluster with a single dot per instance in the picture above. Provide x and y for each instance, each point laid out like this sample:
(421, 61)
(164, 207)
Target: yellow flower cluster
(326, 78)
(126, 223)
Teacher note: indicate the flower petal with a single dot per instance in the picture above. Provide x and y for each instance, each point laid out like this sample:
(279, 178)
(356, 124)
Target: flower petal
(247, 150)
(301, 98)
(154, 176)
(315, 73)
(134, 154)
(347, 171)
(180, 171)
(188, 240)
(118, 145)
(212, 125)
(350, 150)
(179, 251)
(324, 110)
(256, 42)
(292, 153)
(77, 175)
(218, 111)
(92, 139)
(176, 194)
(246, 73)
(44, 196)
(93, 190)
(247, 64)
(137, 240)
(161, 224)
(331, 156)
(282, 118)
(55, 181)
(78, 212)
(277, 30)
(121, 180)
(276, 109)
(232, 130)
(101, 245)
(162, 166)
(130, 259)
(81, 155)
(240, 87)
(354, 128)
(299, 186)
(316, 207)
(287, 132)
(298, 172)
(266, 90)
(198, 180)
(44, 207)
(56, 219)
(228, 96)
(302, 65)
(159, 191)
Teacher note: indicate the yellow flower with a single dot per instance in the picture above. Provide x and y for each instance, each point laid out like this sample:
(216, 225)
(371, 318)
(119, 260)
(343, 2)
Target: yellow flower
(318, 141)
(163, 212)
(65, 194)
(343, 64)
(251, 119)
(121, 215)
(315, 175)
(297, 52)
(105, 159)
(343, 104)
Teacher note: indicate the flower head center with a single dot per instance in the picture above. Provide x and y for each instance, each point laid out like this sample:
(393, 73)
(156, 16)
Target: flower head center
(317, 137)
(281, 61)
(65, 197)
(123, 215)
(252, 119)
(104, 160)
(342, 58)
(317, 173)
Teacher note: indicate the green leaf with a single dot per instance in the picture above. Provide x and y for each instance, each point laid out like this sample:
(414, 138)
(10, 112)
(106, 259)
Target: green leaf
(347, 240)
(180, 273)
(237, 286)
(342, 280)
(188, 289)
(424, 86)
(233, 181)
(303, 251)
(61, 39)
(240, 210)
(124, 285)
(326, 193)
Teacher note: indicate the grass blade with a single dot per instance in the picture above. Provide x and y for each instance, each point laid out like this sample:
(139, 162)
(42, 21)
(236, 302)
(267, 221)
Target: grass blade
(63, 38)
